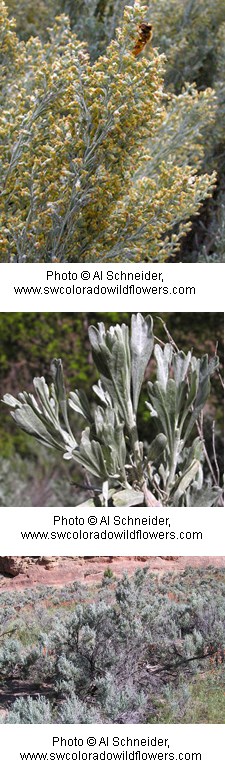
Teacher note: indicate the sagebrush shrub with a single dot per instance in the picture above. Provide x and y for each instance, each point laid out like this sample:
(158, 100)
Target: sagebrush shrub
(89, 169)
(129, 471)
(119, 658)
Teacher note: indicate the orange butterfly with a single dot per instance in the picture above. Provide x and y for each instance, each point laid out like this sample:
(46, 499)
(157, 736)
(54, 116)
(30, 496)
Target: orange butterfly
(145, 35)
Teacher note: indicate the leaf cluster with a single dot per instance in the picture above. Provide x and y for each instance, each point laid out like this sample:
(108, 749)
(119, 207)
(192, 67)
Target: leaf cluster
(109, 447)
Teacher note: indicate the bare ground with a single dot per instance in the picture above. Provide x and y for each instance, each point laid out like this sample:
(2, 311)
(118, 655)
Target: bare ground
(60, 571)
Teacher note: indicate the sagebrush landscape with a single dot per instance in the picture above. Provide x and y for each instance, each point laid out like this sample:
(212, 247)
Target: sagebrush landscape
(112, 150)
(127, 641)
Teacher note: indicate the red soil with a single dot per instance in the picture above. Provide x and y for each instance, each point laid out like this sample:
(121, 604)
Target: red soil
(59, 571)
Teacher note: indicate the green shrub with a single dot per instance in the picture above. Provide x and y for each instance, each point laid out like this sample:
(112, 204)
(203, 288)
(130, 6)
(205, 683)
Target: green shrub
(108, 574)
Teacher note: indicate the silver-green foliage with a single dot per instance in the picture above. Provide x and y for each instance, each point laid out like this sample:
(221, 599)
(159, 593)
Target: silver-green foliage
(111, 660)
(170, 469)
(30, 711)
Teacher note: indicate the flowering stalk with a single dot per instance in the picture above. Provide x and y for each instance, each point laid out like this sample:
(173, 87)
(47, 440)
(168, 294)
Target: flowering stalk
(93, 164)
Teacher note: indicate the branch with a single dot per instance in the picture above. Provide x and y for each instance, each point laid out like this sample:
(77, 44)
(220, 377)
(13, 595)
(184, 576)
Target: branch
(8, 632)
(174, 665)
(150, 499)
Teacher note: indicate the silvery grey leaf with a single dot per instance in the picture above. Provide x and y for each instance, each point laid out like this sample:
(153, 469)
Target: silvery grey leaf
(185, 481)
(79, 403)
(157, 447)
(141, 344)
(164, 359)
(90, 456)
(181, 364)
(60, 393)
(206, 497)
(111, 353)
(10, 400)
(102, 394)
(120, 498)
(204, 370)
(26, 418)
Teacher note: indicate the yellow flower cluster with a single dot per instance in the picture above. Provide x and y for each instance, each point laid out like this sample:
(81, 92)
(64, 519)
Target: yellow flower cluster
(87, 154)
